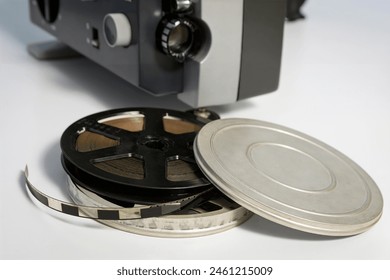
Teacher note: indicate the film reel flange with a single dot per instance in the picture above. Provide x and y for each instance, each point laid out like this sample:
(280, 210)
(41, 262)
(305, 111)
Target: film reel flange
(135, 155)
(215, 214)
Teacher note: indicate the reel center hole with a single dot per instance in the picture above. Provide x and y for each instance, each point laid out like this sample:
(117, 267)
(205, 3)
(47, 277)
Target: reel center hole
(156, 143)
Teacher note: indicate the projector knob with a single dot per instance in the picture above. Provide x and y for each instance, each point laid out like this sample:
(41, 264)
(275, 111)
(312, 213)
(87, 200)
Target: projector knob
(117, 30)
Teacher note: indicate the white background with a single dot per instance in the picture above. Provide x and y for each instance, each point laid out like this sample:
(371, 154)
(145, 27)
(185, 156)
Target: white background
(335, 86)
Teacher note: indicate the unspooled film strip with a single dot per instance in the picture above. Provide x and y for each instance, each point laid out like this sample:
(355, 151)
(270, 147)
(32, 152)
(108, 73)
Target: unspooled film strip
(203, 214)
(107, 213)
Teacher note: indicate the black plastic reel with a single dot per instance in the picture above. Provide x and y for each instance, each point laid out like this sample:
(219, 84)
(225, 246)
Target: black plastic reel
(135, 155)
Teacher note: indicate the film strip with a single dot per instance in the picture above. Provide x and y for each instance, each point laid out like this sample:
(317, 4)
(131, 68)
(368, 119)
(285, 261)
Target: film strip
(134, 169)
(203, 214)
(214, 215)
(109, 213)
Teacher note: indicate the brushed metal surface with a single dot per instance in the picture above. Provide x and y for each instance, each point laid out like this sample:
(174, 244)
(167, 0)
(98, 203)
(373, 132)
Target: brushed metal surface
(288, 177)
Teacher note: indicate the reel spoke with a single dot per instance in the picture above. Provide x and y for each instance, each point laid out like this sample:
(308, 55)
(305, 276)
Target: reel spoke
(135, 155)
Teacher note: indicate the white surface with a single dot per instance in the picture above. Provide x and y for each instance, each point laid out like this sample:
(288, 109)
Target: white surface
(335, 86)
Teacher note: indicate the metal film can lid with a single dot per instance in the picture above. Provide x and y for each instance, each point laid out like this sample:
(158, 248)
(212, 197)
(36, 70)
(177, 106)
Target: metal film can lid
(288, 177)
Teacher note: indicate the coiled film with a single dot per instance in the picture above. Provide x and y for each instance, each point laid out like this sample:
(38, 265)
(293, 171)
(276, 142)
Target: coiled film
(133, 169)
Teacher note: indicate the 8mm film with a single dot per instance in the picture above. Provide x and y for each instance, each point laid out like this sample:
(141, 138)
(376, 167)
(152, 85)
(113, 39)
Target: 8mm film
(168, 173)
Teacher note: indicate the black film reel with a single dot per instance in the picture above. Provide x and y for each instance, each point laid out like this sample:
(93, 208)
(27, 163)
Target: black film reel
(135, 155)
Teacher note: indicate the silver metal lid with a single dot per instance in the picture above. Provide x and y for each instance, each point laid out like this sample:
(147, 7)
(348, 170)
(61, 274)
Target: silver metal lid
(288, 177)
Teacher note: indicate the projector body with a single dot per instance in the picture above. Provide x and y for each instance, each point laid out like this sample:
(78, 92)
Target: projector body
(208, 52)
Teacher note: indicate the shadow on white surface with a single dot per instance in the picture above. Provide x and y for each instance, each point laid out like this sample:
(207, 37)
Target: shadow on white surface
(52, 213)
(52, 168)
